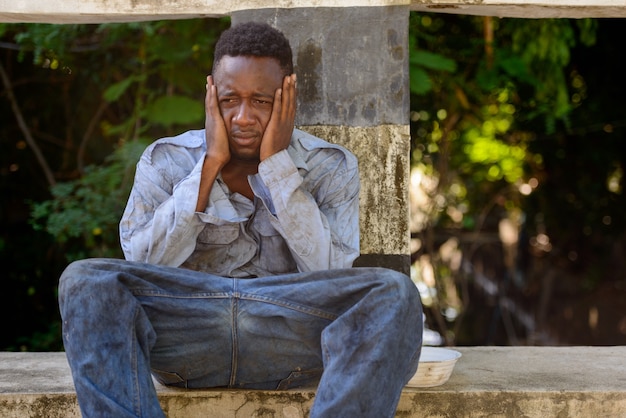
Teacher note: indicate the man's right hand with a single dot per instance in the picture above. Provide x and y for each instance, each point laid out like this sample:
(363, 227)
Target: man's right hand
(217, 148)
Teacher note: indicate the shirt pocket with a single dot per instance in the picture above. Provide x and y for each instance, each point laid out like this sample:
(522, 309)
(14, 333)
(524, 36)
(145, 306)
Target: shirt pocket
(262, 224)
(219, 234)
(274, 254)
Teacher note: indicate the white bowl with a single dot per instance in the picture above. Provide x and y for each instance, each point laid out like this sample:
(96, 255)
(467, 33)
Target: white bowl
(435, 367)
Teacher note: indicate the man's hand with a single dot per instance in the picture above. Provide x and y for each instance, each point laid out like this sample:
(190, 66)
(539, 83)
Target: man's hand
(217, 148)
(280, 126)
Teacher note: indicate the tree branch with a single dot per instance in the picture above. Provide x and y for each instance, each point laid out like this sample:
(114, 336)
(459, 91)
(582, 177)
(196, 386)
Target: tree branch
(24, 128)
(87, 135)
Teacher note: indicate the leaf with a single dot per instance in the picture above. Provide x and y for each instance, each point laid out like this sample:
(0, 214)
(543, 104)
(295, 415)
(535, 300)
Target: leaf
(432, 61)
(171, 110)
(515, 67)
(115, 91)
(419, 81)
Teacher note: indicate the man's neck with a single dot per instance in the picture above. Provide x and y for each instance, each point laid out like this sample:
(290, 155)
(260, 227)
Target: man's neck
(235, 175)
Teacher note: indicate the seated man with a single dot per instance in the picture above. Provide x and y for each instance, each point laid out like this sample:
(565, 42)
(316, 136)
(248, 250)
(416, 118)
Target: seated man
(239, 241)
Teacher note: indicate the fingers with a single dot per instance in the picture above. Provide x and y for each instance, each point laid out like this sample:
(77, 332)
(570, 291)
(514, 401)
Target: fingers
(278, 132)
(211, 106)
(215, 129)
(214, 121)
(284, 109)
(288, 100)
(211, 103)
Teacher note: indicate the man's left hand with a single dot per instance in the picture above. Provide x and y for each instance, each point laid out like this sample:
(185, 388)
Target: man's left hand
(279, 129)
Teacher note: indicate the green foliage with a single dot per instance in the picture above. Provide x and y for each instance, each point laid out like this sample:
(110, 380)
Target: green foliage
(544, 46)
(420, 62)
(150, 77)
(93, 97)
(474, 92)
(488, 157)
(116, 90)
(46, 42)
(506, 68)
(528, 131)
(174, 110)
(84, 214)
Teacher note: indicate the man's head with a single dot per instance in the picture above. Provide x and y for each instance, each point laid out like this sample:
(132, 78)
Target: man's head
(252, 62)
(254, 39)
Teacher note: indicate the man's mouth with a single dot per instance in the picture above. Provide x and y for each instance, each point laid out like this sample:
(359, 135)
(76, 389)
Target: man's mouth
(244, 138)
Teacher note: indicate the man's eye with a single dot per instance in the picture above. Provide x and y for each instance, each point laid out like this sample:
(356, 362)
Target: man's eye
(263, 102)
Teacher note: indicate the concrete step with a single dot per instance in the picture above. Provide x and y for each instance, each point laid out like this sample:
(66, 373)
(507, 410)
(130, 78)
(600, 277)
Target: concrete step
(486, 381)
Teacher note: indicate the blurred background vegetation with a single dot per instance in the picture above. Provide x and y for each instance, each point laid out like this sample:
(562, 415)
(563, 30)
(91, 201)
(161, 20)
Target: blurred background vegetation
(518, 152)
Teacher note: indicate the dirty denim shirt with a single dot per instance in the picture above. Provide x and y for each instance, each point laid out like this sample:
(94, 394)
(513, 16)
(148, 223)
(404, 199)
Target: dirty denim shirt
(304, 215)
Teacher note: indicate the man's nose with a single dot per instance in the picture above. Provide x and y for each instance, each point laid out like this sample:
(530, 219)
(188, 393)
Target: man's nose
(244, 114)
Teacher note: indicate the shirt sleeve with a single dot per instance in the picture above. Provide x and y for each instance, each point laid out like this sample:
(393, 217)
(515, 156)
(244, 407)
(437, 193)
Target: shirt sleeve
(321, 227)
(159, 224)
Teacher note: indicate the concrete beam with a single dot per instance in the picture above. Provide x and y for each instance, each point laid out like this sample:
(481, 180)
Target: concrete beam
(486, 381)
(531, 9)
(98, 11)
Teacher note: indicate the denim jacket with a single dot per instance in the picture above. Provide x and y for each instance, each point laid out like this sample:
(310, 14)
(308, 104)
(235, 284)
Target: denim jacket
(304, 215)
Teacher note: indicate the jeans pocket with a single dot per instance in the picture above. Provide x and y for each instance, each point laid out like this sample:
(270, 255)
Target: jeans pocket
(169, 378)
(301, 378)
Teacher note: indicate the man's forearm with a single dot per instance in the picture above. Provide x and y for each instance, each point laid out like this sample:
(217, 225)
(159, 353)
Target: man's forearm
(210, 171)
(160, 225)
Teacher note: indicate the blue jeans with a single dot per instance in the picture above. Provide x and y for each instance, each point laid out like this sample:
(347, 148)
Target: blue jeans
(356, 331)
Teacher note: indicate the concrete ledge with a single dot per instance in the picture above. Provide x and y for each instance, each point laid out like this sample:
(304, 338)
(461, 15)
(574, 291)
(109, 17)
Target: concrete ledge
(534, 9)
(487, 381)
(98, 11)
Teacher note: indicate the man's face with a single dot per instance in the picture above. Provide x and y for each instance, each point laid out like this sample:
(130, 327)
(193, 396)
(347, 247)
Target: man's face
(245, 89)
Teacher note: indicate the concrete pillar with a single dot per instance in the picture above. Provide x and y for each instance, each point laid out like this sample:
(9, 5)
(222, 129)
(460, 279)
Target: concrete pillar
(352, 67)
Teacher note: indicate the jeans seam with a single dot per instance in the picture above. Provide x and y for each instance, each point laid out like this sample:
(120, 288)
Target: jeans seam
(202, 295)
(137, 389)
(290, 305)
(246, 296)
(234, 307)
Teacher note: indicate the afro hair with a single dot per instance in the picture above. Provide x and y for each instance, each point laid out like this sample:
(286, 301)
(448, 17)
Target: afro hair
(254, 39)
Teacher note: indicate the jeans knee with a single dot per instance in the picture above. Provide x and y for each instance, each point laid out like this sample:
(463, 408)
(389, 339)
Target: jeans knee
(399, 284)
(401, 289)
(71, 276)
(77, 280)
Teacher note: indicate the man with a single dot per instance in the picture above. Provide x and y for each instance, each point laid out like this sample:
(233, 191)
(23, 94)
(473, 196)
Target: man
(239, 241)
